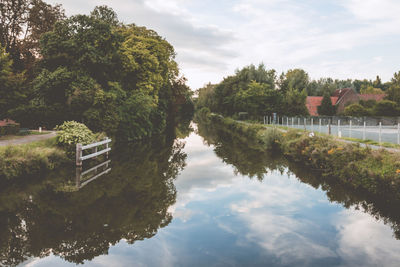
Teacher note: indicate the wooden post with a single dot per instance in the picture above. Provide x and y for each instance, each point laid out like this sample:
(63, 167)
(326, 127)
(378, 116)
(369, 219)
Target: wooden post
(107, 147)
(78, 172)
(78, 155)
(329, 127)
(365, 124)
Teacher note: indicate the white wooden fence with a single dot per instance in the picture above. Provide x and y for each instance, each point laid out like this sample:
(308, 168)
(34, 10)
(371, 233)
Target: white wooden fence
(94, 146)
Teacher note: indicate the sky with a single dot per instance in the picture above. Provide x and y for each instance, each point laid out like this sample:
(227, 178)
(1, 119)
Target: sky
(212, 38)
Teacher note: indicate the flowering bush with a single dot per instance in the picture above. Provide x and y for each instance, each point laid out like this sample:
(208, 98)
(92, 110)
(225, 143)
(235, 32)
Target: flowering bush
(71, 133)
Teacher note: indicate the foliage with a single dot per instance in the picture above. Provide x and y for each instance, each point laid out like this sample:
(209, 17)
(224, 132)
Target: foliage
(22, 23)
(9, 129)
(226, 91)
(386, 108)
(295, 79)
(121, 79)
(326, 108)
(356, 110)
(22, 161)
(71, 133)
(394, 88)
(11, 85)
(368, 89)
(295, 103)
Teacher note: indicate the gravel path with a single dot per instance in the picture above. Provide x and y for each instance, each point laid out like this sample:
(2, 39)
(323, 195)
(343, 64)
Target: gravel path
(27, 139)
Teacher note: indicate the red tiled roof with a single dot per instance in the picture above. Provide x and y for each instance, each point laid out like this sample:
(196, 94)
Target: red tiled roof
(341, 92)
(313, 102)
(377, 97)
(6, 121)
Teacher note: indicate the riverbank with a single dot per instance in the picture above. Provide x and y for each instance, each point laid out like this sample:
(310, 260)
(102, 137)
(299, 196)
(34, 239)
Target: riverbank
(35, 158)
(375, 171)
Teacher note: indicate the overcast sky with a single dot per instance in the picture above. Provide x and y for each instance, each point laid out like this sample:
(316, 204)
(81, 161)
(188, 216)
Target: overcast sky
(212, 38)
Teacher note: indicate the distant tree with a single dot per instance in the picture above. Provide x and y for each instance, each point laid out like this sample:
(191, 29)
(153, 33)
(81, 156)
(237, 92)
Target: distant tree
(368, 89)
(356, 110)
(326, 108)
(206, 97)
(296, 79)
(295, 103)
(386, 108)
(258, 99)
(394, 88)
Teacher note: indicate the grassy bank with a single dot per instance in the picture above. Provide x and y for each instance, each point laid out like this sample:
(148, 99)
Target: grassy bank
(30, 159)
(375, 171)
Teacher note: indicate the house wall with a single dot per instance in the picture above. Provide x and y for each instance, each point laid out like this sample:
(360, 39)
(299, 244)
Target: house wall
(349, 98)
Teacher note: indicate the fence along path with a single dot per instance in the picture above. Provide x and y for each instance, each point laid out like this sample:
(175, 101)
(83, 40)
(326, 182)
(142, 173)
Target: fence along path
(376, 129)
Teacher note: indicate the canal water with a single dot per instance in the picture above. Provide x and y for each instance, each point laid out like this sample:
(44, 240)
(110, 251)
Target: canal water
(204, 200)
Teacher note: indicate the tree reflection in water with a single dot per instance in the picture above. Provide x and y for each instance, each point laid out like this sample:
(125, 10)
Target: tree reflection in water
(249, 159)
(130, 203)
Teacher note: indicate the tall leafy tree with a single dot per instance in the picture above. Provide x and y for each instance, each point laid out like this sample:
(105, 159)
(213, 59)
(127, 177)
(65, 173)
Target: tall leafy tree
(295, 79)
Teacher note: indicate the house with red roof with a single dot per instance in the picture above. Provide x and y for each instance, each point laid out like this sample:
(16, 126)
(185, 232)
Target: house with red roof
(341, 98)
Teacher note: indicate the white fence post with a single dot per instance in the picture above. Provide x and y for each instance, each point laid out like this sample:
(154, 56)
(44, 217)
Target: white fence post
(398, 133)
(350, 128)
(319, 127)
(287, 122)
(292, 122)
(380, 132)
(312, 124)
(339, 131)
(365, 124)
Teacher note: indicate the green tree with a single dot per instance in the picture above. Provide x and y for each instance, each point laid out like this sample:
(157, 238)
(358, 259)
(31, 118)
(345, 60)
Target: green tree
(11, 85)
(225, 92)
(258, 99)
(394, 88)
(356, 110)
(326, 108)
(368, 89)
(386, 108)
(296, 79)
(295, 103)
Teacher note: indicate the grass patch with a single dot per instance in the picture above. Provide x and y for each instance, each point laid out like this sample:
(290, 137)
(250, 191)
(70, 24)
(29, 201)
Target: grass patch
(30, 159)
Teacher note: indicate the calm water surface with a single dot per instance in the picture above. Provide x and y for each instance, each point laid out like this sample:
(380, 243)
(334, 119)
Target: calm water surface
(199, 202)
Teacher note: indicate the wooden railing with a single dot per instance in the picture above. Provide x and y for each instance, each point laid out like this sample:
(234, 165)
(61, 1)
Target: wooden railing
(94, 146)
(81, 181)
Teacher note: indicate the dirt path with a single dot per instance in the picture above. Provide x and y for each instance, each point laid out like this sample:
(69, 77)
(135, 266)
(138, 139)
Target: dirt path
(27, 139)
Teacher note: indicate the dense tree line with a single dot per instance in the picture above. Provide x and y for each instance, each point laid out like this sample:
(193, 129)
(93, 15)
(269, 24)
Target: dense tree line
(258, 91)
(117, 78)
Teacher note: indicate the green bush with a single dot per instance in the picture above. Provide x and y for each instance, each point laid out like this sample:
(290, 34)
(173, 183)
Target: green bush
(385, 108)
(9, 129)
(30, 159)
(71, 133)
(356, 110)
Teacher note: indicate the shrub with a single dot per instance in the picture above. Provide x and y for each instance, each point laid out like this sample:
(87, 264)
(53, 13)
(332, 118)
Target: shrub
(71, 133)
(385, 108)
(9, 129)
(356, 110)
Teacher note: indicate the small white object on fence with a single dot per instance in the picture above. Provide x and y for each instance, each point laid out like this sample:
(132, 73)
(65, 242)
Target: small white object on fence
(80, 148)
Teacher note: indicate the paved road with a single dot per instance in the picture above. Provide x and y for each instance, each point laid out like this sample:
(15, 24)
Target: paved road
(27, 139)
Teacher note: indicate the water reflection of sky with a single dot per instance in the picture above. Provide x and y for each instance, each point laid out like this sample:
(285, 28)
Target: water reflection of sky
(225, 220)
